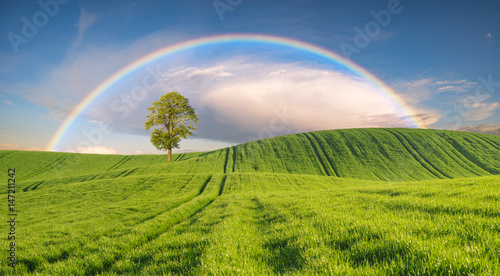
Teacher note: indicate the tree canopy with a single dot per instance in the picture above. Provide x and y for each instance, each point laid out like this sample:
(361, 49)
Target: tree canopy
(172, 119)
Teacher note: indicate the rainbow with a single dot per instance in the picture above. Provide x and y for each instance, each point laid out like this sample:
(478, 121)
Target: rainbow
(217, 39)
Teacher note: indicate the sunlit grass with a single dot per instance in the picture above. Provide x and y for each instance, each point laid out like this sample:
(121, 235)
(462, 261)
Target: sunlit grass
(276, 206)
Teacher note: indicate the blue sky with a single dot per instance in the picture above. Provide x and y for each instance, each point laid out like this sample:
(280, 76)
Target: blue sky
(441, 57)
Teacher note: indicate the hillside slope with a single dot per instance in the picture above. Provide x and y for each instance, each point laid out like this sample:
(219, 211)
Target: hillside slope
(371, 154)
(374, 154)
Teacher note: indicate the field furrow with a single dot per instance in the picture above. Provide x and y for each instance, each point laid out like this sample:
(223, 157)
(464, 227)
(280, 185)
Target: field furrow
(331, 166)
(226, 160)
(44, 169)
(176, 216)
(117, 165)
(321, 159)
(418, 157)
(222, 185)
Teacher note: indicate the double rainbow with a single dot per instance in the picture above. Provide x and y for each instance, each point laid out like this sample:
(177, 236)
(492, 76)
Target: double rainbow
(218, 39)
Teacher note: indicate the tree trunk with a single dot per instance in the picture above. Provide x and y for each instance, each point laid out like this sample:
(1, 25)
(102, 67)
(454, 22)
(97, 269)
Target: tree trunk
(169, 155)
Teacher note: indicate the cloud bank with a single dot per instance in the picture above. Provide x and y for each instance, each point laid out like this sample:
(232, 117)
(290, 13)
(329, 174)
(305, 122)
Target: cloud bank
(238, 100)
(483, 128)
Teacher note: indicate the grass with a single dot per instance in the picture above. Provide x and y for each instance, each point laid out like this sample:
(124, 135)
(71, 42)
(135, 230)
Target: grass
(348, 202)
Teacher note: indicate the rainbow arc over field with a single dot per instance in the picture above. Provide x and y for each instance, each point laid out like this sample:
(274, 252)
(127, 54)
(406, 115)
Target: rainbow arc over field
(218, 39)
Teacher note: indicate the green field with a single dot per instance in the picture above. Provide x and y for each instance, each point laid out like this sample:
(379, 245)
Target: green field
(346, 202)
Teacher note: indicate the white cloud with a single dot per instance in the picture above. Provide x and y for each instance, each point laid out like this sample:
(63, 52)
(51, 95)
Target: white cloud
(142, 152)
(449, 82)
(277, 72)
(84, 21)
(483, 128)
(469, 108)
(454, 86)
(97, 150)
(489, 36)
(48, 117)
(299, 97)
(9, 103)
(476, 111)
(191, 78)
(414, 93)
(451, 88)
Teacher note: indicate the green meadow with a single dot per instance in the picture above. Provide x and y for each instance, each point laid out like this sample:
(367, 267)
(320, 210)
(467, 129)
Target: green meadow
(340, 202)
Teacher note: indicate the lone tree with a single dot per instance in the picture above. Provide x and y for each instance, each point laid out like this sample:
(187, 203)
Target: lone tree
(171, 118)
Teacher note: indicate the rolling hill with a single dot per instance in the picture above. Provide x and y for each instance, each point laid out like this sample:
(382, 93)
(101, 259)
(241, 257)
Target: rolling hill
(356, 201)
(371, 154)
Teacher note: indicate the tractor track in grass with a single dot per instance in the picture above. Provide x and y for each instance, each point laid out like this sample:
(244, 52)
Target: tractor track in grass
(130, 171)
(180, 203)
(82, 178)
(222, 185)
(490, 142)
(225, 162)
(5, 154)
(34, 185)
(415, 154)
(185, 184)
(465, 150)
(317, 154)
(178, 217)
(425, 159)
(234, 157)
(453, 157)
(486, 140)
(119, 163)
(43, 169)
(122, 174)
(463, 158)
(179, 157)
(205, 185)
(324, 154)
(103, 207)
(155, 236)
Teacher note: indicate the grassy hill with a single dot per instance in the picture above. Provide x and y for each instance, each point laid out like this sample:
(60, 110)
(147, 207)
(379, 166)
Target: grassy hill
(371, 154)
(354, 202)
